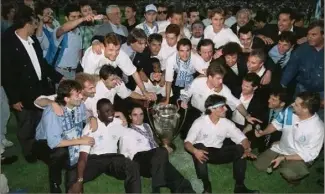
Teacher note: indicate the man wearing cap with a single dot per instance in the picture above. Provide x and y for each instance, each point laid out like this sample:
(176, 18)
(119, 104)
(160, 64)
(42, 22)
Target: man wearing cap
(150, 25)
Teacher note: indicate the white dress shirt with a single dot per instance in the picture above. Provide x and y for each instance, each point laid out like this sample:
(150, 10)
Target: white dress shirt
(28, 44)
(91, 62)
(165, 52)
(260, 73)
(157, 89)
(234, 68)
(199, 92)
(303, 137)
(236, 116)
(221, 38)
(106, 137)
(206, 132)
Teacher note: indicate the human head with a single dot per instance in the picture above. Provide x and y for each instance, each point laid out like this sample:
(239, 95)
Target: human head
(184, 47)
(155, 41)
(85, 8)
(278, 98)
(112, 46)
(184, 19)
(315, 35)
(8, 10)
(193, 14)
(230, 51)
(114, 14)
(215, 73)
(299, 20)
(218, 19)
(287, 40)
(88, 84)
(245, 34)
(137, 39)
(172, 34)
(109, 76)
(69, 94)
(205, 48)
(162, 12)
(155, 65)
(105, 110)
(197, 29)
(256, 60)
(215, 105)
(25, 19)
(243, 16)
(250, 83)
(136, 115)
(286, 19)
(175, 17)
(130, 11)
(306, 103)
(46, 11)
(209, 11)
(261, 19)
(150, 13)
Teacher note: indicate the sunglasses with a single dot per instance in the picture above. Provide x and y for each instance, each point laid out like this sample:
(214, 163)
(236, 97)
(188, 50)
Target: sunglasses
(160, 12)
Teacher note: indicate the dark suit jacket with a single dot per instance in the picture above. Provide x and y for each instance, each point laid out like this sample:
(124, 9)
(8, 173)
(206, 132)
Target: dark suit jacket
(258, 106)
(19, 77)
(234, 26)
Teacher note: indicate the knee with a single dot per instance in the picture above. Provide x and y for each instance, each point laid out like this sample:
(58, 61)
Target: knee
(291, 175)
(131, 167)
(162, 153)
(240, 150)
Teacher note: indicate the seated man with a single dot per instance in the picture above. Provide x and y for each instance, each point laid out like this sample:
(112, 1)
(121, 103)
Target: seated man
(204, 141)
(301, 141)
(139, 145)
(102, 157)
(58, 137)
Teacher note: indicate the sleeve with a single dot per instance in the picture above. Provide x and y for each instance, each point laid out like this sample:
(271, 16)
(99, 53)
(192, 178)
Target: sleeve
(169, 71)
(51, 97)
(233, 38)
(199, 64)
(83, 111)
(278, 122)
(57, 41)
(234, 133)
(291, 69)
(232, 101)
(123, 91)
(194, 131)
(125, 64)
(51, 124)
(44, 42)
(86, 132)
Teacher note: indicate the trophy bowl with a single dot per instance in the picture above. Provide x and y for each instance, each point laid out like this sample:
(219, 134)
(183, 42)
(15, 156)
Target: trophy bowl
(165, 122)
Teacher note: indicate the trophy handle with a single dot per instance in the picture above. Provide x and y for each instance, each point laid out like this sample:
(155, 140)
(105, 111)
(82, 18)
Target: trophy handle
(151, 122)
(184, 117)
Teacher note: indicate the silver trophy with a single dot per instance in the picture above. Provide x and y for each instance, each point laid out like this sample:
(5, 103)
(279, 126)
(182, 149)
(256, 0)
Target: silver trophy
(165, 122)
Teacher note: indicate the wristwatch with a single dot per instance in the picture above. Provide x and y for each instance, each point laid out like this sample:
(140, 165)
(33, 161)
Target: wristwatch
(80, 180)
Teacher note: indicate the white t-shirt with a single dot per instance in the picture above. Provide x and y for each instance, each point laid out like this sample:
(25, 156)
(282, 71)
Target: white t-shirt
(236, 116)
(221, 38)
(206, 132)
(106, 137)
(171, 65)
(157, 89)
(199, 92)
(165, 52)
(162, 25)
(304, 138)
(91, 62)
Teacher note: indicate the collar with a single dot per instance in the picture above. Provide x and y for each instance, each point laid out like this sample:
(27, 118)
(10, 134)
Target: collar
(114, 25)
(291, 30)
(261, 71)
(29, 39)
(69, 109)
(139, 126)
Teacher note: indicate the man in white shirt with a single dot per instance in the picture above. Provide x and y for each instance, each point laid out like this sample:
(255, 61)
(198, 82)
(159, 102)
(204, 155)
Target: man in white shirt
(301, 141)
(205, 143)
(150, 25)
(181, 68)
(205, 49)
(103, 156)
(197, 29)
(139, 145)
(109, 52)
(193, 16)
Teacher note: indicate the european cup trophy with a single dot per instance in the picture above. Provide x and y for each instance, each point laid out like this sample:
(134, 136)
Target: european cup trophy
(165, 122)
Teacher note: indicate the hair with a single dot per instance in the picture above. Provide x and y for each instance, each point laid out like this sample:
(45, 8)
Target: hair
(155, 36)
(299, 17)
(253, 78)
(288, 11)
(40, 7)
(231, 48)
(81, 78)
(219, 11)
(212, 100)
(110, 7)
(134, 106)
(23, 16)
(71, 8)
(154, 60)
(192, 9)
(288, 36)
(262, 16)
(173, 11)
(244, 11)
(258, 53)
(204, 42)
(83, 3)
(173, 29)
(6, 8)
(106, 71)
(215, 68)
(281, 93)
(135, 35)
(111, 38)
(102, 102)
(245, 30)
(310, 100)
(317, 23)
(161, 5)
(64, 90)
(197, 22)
(184, 42)
(133, 7)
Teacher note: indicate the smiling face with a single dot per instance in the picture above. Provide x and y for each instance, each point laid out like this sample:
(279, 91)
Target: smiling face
(285, 23)
(184, 52)
(217, 22)
(106, 113)
(112, 51)
(137, 116)
(155, 47)
(206, 52)
(139, 46)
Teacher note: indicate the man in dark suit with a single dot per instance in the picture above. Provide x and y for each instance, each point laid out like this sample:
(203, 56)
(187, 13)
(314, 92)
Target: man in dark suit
(243, 18)
(25, 76)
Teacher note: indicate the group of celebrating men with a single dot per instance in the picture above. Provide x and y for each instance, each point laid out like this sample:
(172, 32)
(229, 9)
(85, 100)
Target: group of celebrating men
(236, 78)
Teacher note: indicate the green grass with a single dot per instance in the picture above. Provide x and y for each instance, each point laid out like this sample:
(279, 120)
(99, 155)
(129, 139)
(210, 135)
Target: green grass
(34, 177)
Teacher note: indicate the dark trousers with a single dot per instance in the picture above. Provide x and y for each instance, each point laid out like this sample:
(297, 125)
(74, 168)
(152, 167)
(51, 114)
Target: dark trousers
(27, 123)
(56, 159)
(191, 116)
(155, 164)
(222, 155)
(115, 165)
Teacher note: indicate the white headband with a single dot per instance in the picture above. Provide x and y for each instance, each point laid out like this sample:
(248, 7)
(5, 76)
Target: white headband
(216, 105)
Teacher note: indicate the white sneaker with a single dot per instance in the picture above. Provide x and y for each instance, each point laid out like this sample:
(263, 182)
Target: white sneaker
(6, 143)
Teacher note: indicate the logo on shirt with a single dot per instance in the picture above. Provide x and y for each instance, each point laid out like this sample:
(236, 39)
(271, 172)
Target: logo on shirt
(302, 139)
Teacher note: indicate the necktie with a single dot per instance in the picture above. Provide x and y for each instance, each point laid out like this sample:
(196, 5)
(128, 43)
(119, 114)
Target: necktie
(72, 116)
(281, 61)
